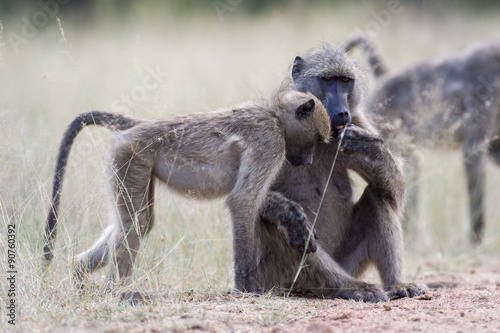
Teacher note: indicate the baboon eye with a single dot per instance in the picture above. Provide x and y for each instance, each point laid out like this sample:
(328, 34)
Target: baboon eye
(327, 78)
(345, 79)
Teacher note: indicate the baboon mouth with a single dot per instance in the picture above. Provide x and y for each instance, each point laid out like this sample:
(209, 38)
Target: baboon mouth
(337, 129)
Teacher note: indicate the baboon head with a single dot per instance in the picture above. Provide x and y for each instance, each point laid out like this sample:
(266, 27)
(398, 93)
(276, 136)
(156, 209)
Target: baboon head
(330, 75)
(306, 124)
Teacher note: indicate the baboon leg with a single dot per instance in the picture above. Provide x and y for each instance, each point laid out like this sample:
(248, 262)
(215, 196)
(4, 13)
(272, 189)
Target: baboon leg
(132, 182)
(95, 257)
(321, 275)
(475, 164)
(375, 231)
(99, 254)
(478, 131)
(379, 241)
(326, 278)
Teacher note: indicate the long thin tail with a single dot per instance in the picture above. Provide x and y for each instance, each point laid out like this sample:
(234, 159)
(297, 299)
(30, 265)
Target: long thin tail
(377, 65)
(113, 121)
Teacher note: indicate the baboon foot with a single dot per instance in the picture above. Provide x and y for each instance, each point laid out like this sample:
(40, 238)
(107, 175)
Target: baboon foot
(355, 139)
(244, 280)
(135, 298)
(298, 228)
(407, 290)
(362, 292)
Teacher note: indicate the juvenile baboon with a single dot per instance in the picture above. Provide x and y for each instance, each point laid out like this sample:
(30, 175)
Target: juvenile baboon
(449, 101)
(234, 152)
(352, 233)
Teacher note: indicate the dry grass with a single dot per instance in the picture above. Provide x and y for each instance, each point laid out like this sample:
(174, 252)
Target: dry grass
(205, 63)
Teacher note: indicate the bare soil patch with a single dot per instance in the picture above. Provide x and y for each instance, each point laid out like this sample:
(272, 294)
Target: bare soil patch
(473, 305)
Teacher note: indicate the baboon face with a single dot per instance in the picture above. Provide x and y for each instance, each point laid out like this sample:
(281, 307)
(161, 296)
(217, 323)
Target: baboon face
(308, 124)
(330, 75)
(300, 156)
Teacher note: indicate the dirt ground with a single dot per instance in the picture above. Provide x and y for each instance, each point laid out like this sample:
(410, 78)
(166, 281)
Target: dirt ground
(472, 305)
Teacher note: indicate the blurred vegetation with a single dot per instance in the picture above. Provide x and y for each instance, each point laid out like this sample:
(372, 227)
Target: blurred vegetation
(89, 10)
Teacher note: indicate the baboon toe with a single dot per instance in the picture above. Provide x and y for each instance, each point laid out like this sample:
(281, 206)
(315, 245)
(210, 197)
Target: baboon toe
(407, 290)
(362, 292)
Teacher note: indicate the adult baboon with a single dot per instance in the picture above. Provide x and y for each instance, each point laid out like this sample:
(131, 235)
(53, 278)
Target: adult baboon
(234, 152)
(448, 101)
(352, 233)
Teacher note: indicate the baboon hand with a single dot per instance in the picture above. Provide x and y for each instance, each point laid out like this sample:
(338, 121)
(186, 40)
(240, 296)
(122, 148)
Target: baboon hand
(361, 292)
(297, 228)
(244, 278)
(356, 139)
(406, 290)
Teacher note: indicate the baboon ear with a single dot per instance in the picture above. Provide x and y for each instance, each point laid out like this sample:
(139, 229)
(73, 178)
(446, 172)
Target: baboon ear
(304, 110)
(298, 65)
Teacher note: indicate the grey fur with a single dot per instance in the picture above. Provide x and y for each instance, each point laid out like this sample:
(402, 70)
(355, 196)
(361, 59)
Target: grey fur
(352, 234)
(234, 152)
(450, 101)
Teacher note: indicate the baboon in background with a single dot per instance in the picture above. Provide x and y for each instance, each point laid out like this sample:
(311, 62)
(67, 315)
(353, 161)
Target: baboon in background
(234, 152)
(447, 101)
(352, 233)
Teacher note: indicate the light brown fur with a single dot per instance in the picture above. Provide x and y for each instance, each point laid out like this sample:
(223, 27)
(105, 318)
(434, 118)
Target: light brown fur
(234, 152)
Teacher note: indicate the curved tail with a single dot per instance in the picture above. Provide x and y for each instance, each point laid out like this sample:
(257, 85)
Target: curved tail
(377, 65)
(113, 121)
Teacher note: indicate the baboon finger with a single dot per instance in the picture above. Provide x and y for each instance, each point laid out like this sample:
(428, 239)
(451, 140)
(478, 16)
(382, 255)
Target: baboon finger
(356, 133)
(312, 247)
(312, 243)
(407, 290)
(364, 293)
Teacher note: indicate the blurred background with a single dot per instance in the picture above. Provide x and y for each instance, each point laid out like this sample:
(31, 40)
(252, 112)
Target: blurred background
(155, 58)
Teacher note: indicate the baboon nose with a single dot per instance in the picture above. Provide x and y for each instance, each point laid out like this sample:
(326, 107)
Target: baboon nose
(344, 116)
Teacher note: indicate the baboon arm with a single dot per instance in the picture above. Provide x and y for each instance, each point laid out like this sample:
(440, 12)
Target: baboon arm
(257, 171)
(290, 219)
(384, 245)
(374, 162)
